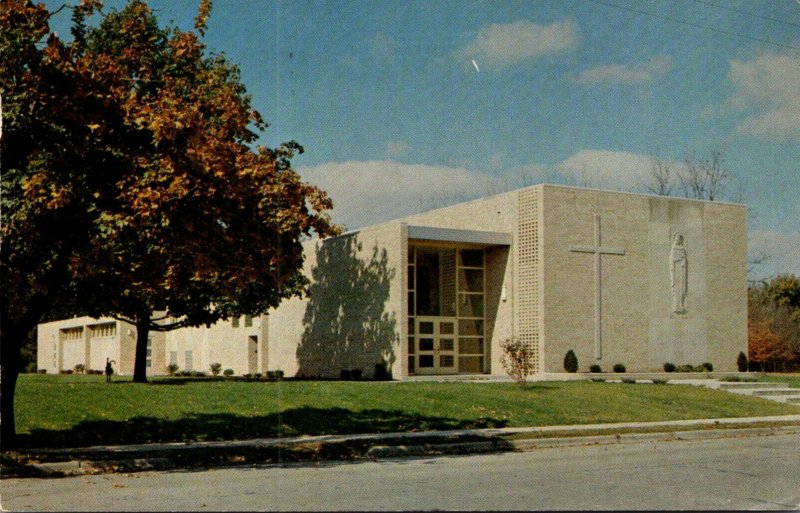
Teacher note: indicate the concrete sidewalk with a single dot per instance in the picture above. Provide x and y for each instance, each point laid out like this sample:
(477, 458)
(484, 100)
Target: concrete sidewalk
(280, 450)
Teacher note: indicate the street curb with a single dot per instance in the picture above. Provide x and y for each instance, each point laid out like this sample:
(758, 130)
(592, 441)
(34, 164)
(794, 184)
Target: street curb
(96, 460)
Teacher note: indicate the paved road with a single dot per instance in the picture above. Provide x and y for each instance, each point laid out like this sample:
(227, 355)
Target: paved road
(735, 473)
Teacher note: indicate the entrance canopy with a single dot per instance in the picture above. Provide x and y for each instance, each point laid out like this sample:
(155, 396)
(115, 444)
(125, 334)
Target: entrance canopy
(429, 233)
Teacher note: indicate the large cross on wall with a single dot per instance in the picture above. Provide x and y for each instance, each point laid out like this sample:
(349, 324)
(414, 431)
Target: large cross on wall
(598, 250)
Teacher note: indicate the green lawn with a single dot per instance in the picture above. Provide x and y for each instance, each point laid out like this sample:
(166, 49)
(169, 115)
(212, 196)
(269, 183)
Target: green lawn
(83, 410)
(791, 379)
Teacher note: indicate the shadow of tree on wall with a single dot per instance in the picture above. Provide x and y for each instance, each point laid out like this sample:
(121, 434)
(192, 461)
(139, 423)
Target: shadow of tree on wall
(229, 426)
(346, 325)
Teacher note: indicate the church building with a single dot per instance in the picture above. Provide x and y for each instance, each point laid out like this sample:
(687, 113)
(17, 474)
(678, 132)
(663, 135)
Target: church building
(616, 277)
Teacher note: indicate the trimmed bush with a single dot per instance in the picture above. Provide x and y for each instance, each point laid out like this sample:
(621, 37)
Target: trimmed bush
(65, 371)
(345, 375)
(356, 373)
(80, 368)
(707, 366)
(618, 367)
(517, 360)
(629, 380)
(227, 373)
(31, 368)
(741, 362)
(570, 361)
(669, 367)
(172, 368)
(595, 368)
(216, 368)
(276, 374)
(382, 372)
(659, 381)
(42, 371)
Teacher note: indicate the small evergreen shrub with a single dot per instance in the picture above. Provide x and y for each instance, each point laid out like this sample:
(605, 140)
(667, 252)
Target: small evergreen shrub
(31, 368)
(65, 371)
(172, 368)
(356, 374)
(595, 368)
(345, 375)
(216, 368)
(669, 367)
(741, 362)
(276, 374)
(684, 368)
(382, 372)
(247, 375)
(80, 368)
(570, 361)
(708, 366)
(659, 381)
(42, 371)
(628, 380)
(618, 367)
(227, 373)
(94, 372)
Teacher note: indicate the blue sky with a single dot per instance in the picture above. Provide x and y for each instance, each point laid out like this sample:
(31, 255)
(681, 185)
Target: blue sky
(396, 118)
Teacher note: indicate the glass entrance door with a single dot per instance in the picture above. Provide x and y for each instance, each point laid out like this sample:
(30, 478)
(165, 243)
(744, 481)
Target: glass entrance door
(435, 343)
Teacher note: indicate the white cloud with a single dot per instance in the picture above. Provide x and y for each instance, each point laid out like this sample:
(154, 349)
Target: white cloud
(604, 169)
(370, 192)
(626, 74)
(396, 148)
(509, 43)
(767, 88)
(782, 251)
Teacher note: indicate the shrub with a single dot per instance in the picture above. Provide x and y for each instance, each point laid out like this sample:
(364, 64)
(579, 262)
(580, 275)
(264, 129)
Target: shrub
(80, 368)
(31, 368)
(227, 373)
(345, 374)
(247, 376)
(618, 367)
(65, 371)
(684, 368)
(216, 368)
(669, 367)
(517, 360)
(707, 366)
(172, 368)
(42, 371)
(197, 374)
(598, 380)
(570, 361)
(595, 368)
(356, 373)
(628, 380)
(741, 362)
(659, 381)
(276, 374)
(94, 372)
(382, 372)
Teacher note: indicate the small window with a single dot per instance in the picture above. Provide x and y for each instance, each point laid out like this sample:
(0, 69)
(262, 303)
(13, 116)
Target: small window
(426, 327)
(471, 258)
(173, 358)
(425, 344)
(188, 359)
(248, 321)
(446, 344)
(425, 360)
(235, 322)
(446, 360)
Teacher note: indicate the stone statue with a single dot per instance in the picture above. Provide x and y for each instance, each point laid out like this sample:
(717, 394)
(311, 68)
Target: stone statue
(679, 274)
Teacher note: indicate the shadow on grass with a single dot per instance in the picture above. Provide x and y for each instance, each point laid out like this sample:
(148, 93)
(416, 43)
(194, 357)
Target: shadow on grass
(229, 426)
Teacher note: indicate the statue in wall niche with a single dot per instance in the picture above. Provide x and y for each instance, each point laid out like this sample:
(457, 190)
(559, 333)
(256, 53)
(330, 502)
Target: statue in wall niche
(679, 274)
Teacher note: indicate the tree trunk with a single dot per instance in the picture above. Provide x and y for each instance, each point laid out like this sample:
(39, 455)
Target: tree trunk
(140, 361)
(9, 371)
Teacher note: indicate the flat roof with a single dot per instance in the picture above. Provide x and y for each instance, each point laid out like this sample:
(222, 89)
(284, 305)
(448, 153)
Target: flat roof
(465, 236)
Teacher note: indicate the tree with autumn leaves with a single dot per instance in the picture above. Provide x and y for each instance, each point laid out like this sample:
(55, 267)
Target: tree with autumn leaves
(131, 185)
(774, 322)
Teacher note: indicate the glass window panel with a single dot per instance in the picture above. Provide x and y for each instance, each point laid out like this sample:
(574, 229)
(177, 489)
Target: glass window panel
(427, 282)
(411, 278)
(470, 280)
(446, 344)
(411, 303)
(470, 327)
(426, 344)
(411, 345)
(410, 254)
(425, 360)
(446, 328)
(446, 360)
(471, 305)
(472, 257)
(410, 325)
(470, 364)
(470, 346)
(411, 364)
(426, 327)
(248, 321)
(235, 322)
